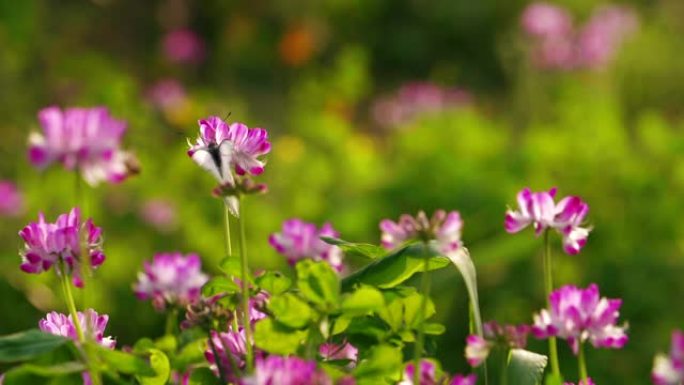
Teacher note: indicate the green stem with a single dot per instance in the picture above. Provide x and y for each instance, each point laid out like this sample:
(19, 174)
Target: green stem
(548, 285)
(171, 322)
(582, 365)
(504, 367)
(244, 274)
(226, 221)
(425, 292)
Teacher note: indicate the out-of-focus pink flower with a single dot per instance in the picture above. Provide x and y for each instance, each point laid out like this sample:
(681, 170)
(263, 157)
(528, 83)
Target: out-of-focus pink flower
(166, 94)
(540, 210)
(427, 375)
(669, 370)
(509, 336)
(172, 279)
(604, 34)
(11, 200)
(300, 240)
(286, 371)
(579, 315)
(546, 20)
(160, 214)
(184, 46)
(589, 381)
(343, 351)
(477, 350)
(222, 147)
(59, 243)
(417, 98)
(92, 324)
(87, 139)
(459, 379)
(444, 228)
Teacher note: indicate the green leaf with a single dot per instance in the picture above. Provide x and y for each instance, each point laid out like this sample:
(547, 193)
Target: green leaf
(412, 304)
(341, 324)
(383, 362)
(290, 310)
(160, 364)
(29, 374)
(402, 309)
(219, 285)
(525, 367)
(233, 267)
(396, 268)
(191, 353)
(552, 379)
(363, 249)
(203, 376)
(277, 338)
(434, 329)
(28, 344)
(318, 283)
(464, 264)
(274, 282)
(364, 300)
(124, 362)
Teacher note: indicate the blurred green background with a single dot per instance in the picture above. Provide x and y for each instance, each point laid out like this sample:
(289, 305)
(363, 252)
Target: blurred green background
(311, 73)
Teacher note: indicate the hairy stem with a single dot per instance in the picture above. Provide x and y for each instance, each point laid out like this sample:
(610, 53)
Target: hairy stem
(244, 276)
(548, 286)
(425, 292)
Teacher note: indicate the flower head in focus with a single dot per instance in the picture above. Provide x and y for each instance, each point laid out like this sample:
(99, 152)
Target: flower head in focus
(299, 240)
(11, 199)
(580, 315)
(444, 228)
(90, 322)
(171, 279)
(541, 211)
(84, 139)
(59, 243)
(286, 371)
(669, 369)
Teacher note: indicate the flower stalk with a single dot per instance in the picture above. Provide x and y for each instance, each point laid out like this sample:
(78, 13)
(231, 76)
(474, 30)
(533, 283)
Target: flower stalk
(244, 277)
(548, 286)
(582, 365)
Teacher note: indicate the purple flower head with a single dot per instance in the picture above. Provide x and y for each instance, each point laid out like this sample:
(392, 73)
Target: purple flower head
(87, 139)
(230, 348)
(92, 324)
(477, 350)
(589, 381)
(343, 351)
(299, 240)
(184, 46)
(11, 200)
(286, 371)
(220, 148)
(444, 228)
(417, 98)
(544, 20)
(59, 243)
(540, 210)
(428, 374)
(509, 336)
(602, 36)
(171, 279)
(459, 379)
(166, 94)
(160, 214)
(669, 370)
(579, 315)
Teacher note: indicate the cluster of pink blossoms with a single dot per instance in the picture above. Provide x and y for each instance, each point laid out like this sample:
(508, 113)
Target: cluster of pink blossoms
(444, 228)
(171, 279)
(669, 369)
(287, 371)
(87, 139)
(507, 336)
(221, 147)
(299, 240)
(558, 45)
(59, 244)
(578, 315)
(11, 200)
(91, 323)
(428, 376)
(416, 98)
(539, 210)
